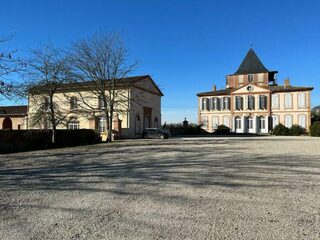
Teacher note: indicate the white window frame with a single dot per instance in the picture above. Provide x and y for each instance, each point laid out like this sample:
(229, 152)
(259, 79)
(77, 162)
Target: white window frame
(238, 123)
(74, 125)
(288, 117)
(260, 78)
(241, 79)
(262, 122)
(304, 120)
(215, 122)
(204, 121)
(226, 121)
(102, 124)
(288, 104)
(275, 122)
(302, 99)
(275, 101)
(250, 123)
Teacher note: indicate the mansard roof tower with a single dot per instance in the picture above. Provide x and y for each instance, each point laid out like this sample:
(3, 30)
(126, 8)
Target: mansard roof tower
(252, 65)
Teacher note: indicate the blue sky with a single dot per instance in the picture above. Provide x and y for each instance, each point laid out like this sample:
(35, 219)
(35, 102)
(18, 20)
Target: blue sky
(186, 46)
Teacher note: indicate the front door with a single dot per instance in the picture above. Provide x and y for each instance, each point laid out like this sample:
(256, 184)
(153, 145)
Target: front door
(7, 124)
(147, 113)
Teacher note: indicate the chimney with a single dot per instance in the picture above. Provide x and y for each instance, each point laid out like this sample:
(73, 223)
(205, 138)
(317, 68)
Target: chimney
(286, 83)
(214, 88)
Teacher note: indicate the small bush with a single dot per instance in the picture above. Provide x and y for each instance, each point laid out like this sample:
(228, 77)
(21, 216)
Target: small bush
(281, 130)
(296, 130)
(315, 129)
(223, 130)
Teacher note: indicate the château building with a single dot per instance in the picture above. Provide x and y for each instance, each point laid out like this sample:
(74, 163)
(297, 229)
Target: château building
(253, 102)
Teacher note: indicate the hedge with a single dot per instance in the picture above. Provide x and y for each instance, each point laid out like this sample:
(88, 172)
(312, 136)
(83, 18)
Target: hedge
(28, 140)
(315, 129)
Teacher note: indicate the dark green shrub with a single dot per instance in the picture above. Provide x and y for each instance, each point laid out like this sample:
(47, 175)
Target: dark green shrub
(222, 130)
(296, 130)
(179, 129)
(29, 140)
(281, 130)
(315, 129)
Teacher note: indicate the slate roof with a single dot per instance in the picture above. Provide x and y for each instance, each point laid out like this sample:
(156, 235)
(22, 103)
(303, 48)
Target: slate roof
(272, 89)
(289, 89)
(215, 93)
(251, 64)
(13, 111)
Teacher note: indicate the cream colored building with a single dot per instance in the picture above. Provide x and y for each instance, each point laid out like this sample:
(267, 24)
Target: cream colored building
(253, 102)
(138, 107)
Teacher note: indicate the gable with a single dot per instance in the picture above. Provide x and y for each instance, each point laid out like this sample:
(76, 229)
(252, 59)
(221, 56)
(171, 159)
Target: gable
(148, 85)
(255, 89)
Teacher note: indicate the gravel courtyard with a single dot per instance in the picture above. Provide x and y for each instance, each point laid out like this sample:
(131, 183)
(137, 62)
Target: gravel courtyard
(189, 188)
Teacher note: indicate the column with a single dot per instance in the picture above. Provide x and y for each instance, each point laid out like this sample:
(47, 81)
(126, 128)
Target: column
(254, 124)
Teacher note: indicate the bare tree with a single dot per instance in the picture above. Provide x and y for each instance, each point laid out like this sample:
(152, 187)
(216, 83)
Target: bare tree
(48, 70)
(100, 66)
(10, 66)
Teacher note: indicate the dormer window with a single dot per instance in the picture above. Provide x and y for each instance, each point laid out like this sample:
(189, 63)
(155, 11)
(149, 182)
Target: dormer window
(250, 78)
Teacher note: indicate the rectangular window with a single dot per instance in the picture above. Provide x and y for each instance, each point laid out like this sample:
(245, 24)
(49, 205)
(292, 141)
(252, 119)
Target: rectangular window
(205, 104)
(288, 121)
(238, 123)
(275, 120)
(262, 102)
(288, 100)
(275, 101)
(102, 124)
(73, 103)
(204, 122)
(250, 78)
(239, 103)
(301, 100)
(260, 77)
(226, 121)
(215, 122)
(240, 79)
(73, 125)
(101, 103)
(250, 102)
(302, 121)
(215, 103)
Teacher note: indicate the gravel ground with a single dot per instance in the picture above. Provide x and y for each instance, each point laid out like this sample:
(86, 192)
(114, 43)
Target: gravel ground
(192, 188)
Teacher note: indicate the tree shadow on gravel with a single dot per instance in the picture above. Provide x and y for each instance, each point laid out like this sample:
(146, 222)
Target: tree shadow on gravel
(210, 163)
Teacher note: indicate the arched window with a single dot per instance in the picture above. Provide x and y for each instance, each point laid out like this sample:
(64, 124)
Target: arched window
(137, 128)
(250, 122)
(262, 122)
(146, 122)
(156, 124)
(7, 124)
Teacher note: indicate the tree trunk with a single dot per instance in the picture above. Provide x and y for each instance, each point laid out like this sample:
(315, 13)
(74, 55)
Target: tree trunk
(110, 126)
(53, 136)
